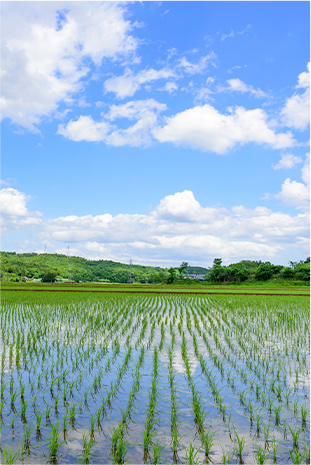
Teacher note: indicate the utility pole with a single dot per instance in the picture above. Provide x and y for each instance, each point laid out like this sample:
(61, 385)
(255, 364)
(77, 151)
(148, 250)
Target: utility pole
(130, 272)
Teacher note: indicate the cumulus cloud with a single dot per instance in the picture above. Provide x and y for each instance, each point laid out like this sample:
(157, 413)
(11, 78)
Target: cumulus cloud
(204, 128)
(144, 112)
(296, 112)
(178, 227)
(129, 83)
(287, 161)
(49, 44)
(84, 129)
(294, 193)
(14, 212)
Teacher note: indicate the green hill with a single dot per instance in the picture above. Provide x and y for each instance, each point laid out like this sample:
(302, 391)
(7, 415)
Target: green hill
(15, 267)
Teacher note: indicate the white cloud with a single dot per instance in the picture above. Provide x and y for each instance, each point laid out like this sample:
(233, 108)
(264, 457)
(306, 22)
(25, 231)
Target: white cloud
(296, 112)
(85, 129)
(13, 202)
(145, 112)
(178, 228)
(170, 87)
(294, 194)
(129, 83)
(204, 128)
(236, 85)
(195, 68)
(232, 33)
(297, 194)
(287, 161)
(48, 43)
(14, 212)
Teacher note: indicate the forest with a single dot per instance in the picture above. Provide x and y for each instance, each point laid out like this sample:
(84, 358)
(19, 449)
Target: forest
(17, 267)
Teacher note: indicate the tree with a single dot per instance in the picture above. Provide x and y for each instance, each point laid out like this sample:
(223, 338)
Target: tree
(265, 271)
(217, 261)
(172, 276)
(182, 268)
(49, 277)
(238, 272)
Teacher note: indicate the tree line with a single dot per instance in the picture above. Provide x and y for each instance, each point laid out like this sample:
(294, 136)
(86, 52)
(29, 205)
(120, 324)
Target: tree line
(50, 267)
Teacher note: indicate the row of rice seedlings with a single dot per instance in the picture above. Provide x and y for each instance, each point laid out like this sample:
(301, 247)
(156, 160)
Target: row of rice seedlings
(152, 418)
(118, 450)
(207, 437)
(174, 404)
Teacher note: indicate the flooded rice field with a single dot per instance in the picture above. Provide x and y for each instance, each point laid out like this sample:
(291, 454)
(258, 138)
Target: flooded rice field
(154, 379)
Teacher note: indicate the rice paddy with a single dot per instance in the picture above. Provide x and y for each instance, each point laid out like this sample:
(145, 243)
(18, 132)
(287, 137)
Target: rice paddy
(147, 378)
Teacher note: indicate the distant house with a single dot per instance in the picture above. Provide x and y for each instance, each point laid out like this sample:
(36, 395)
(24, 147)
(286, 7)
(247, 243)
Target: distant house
(195, 276)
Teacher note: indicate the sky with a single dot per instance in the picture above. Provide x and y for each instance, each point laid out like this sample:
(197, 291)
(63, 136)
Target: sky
(159, 132)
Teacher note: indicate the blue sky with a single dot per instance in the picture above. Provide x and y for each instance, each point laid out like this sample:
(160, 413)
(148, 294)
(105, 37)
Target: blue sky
(156, 131)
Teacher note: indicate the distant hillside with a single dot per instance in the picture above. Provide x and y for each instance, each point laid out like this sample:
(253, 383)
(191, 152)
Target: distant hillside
(31, 265)
(21, 267)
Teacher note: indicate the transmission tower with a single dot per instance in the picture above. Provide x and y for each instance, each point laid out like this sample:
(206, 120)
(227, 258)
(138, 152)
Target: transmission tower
(69, 269)
(130, 274)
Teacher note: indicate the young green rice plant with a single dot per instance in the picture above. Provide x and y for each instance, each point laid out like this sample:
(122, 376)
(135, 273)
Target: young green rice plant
(38, 420)
(208, 442)
(304, 414)
(7, 457)
(226, 456)
(258, 418)
(26, 439)
(295, 435)
(54, 441)
(13, 398)
(157, 453)
(23, 412)
(286, 396)
(192, 455)
(279, 392)
(88, 443)
(92, 424)
(277, 411)
(296, 456)
(295, 405)
(266, 431)
(274, 446)
(240, 444)
(65, 423)
(261, 456)
(306, 447)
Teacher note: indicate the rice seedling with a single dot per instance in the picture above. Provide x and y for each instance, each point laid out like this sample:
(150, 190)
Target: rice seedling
(261, 456)
(295, 434)
(54, 441)
(192, 455)
(7, 457)
(207, 441)
(38, 420)
(26, 439)
(88, 443)
(277, 411)
(266, 434)
(306, 447)
(157, 450)
(240, 444)
(296, 456)
(304, 414)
